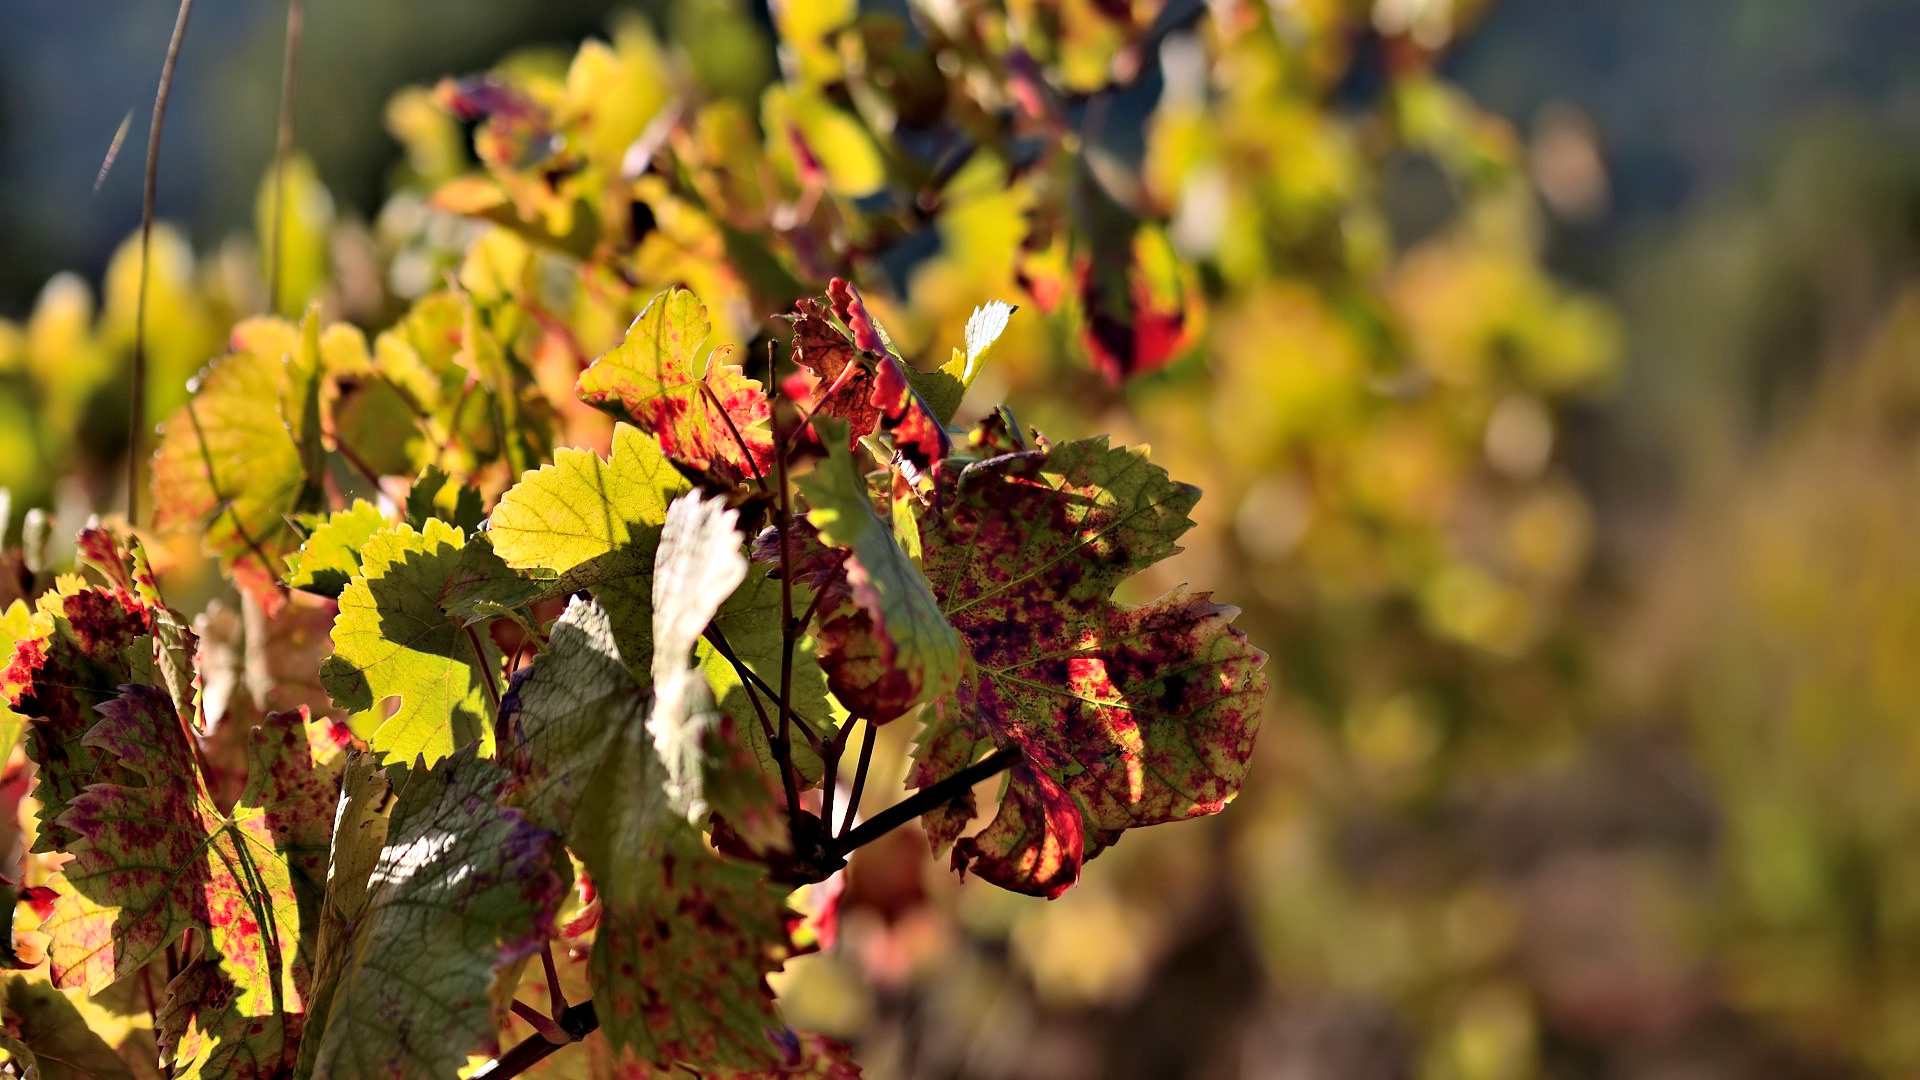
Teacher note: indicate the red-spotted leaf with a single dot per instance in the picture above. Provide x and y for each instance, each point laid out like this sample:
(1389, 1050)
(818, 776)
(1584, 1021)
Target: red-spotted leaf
(155, 859)
(460, 887)
(75, 657)
(1131, 715)
(685, 939)
(243, 455)
(890, 648)
(855, 375)
(834, 380)
(713, 420)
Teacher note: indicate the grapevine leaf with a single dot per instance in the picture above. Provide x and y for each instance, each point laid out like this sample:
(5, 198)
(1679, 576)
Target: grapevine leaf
(359, 836)
(698, 566)
(594, 523)
(917, 433)
(892, 649)
(396, 636)
(56, 1041)
(685, 940)
(1139, 715)
(835, 382)
(75, 659)
(16, 624)
(434, 494)
(154, 860)
(715, 423)
(242, 456)
(330, 556)
(944, 389)
(462, 887)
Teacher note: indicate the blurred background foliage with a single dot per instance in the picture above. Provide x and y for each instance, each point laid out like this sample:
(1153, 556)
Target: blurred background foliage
(1552, 371)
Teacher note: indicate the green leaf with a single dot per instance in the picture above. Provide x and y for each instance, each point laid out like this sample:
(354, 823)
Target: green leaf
(1127, 716)
(153, 860)
(685, 939)
(595, 523)
(330, 556)
(55, 1039)
(434, 494)
(714, 422)
(462, 887)
(398, 635)
(242, 457)
(892, 649)
(944, 389)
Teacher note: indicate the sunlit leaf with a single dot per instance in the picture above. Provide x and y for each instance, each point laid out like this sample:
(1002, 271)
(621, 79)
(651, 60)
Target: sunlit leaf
(706, 413)
(397, 635)
(242, 457)
(1139, 714)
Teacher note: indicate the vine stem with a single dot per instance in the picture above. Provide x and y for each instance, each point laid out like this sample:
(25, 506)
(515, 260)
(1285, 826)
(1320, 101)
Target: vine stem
(931, 797)
(137, 384)
(787, 634)
(579, 1021)
(859, 779)
(283, 148)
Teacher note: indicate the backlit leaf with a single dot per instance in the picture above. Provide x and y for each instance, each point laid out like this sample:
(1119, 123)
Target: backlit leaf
(153, 860)
(944, 389)
(53, 1034)
(398, 636)
(594, 523)
(713, 421)
(75, 658)
(330, 556)
(1139, 715)
(242, 457)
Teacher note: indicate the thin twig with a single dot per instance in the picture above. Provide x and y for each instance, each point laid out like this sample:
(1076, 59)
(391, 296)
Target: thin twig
(555, 999)
(859, 779)
(283, 148)
(719, 642)
(138, 383)
(807, 727)
(493, 692)
(787, 637)
(830, 776)
(931, 797)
